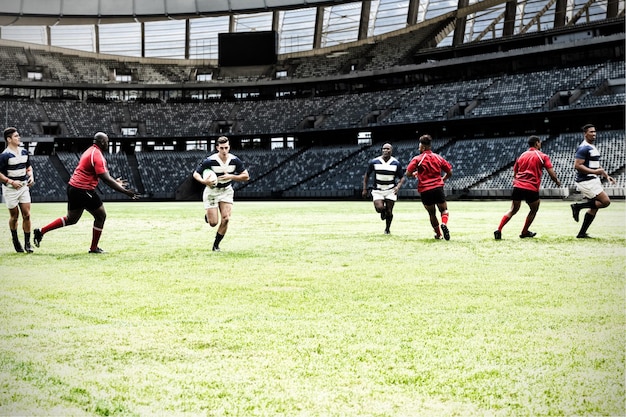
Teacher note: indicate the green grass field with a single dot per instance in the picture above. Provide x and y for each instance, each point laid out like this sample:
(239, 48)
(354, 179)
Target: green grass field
(310, 310)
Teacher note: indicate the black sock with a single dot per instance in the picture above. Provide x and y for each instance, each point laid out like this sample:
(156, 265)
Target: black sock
(591, 203)
(388, 220)
(14, 235)
(27, 237)
(586, 223)
(218, 239)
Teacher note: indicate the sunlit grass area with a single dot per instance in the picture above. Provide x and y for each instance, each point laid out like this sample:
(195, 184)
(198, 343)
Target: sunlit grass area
(310, 310)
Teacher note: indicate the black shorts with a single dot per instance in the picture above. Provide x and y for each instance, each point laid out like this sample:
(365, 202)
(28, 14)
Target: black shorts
(434, 196)
(528, 196)
(78, 199)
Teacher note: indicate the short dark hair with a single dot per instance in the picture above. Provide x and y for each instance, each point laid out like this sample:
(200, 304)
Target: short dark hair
(221, 140)
(426, 140)
(587, 127)
(9, 131)
(99, 137)
(533, 140)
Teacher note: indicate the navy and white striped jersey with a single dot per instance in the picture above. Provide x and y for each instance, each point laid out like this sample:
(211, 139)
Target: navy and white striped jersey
(14, 166)
(233, 165)
(590, 154)
(385, 172)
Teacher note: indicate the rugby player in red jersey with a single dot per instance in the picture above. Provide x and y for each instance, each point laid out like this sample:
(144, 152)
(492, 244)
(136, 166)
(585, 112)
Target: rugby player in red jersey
(527, 173)
(81, 193)
(427, 167)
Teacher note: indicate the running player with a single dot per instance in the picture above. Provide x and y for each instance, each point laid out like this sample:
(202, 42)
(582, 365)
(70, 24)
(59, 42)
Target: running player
(81, 193)
(386, 170)
(427, 167)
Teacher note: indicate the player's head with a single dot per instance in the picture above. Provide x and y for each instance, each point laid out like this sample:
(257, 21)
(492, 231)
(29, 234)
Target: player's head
(387, 148)
(425, 142)
(588, 126)
(102, 140)
(589, 131)
(534, 142)
(222, 144)
(8, 132)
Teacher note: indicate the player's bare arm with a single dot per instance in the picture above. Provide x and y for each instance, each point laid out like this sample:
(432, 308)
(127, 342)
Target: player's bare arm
(112, 182)
(579, 165)
(242, 176)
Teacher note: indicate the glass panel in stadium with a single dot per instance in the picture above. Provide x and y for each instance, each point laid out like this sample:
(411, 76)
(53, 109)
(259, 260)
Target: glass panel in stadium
(389, 15)
(341, 24)
(32, 34)
(121, 39)
(481, 21)
(537, 15)
(296, 29)
(203, 36)
(296, 26)
(74, 37)
(253, 22)
(165, 39)
(438, 7)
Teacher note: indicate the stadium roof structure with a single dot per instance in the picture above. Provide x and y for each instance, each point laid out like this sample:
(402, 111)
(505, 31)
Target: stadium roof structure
(188, 29)
(50, 12)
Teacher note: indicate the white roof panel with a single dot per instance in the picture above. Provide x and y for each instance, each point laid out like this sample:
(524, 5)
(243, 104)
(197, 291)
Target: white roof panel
(72, 12)
(115, 8)
(50, 7)
(80, 7)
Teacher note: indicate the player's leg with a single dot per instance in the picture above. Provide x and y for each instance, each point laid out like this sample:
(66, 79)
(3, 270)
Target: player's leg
(225, 212)
(210, 201)
(596, 197)
(601, 200)
(212, 216)
(14, 213)
(380, 207)
(388, 214)
(534, 208)
(26, 225)
(99, 217)
(445, 215)
(516, 202)
(434, 222)
(72, 217)
(379, 203)
(76, 203)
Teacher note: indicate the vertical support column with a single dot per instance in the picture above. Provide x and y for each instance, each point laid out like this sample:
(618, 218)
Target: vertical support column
(510, 12)
(319, 24)
(366, 7)
(459, 28)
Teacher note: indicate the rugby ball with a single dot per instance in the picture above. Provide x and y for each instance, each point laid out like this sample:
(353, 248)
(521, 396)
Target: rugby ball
(209, 174)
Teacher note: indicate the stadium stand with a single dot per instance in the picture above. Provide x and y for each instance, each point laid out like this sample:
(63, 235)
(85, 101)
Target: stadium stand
(377, 85)
(479, 165)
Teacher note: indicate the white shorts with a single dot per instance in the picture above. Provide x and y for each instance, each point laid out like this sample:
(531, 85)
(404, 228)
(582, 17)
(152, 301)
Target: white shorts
(211, 197)
(384, 195)
(13, 197)
(591, 188)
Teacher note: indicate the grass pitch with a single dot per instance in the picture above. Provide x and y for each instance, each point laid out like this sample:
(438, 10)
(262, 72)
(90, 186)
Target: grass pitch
(310, 310)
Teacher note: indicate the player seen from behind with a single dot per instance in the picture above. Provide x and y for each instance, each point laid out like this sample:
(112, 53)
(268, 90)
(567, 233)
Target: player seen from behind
(427, 167)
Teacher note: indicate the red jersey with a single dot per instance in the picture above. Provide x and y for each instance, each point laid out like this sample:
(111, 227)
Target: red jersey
(429, 167)
(90, 166)
(528, 169)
